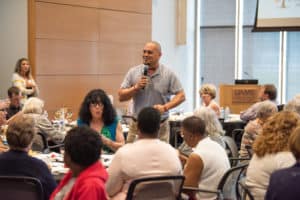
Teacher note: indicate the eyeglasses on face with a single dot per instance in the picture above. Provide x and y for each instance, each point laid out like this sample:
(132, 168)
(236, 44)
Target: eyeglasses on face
(99, 104)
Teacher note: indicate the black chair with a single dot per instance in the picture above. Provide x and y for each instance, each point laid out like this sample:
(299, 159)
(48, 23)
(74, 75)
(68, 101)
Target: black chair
(155, 187)
(20, 187)
(280, 107)
(228, 187)
(231, 148)
(47, 146)
(237, 135)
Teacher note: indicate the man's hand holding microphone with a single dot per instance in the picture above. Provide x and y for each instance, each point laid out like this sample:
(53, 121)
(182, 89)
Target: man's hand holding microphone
(142, 83)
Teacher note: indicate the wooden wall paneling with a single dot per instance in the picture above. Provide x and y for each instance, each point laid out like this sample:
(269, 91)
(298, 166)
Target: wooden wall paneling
(111, 84)
(31, 35)
(142, 6)
(116, 58)
(66, 22)
(67, 57)
(84, 3)
(121, 27)
(181, 17)
(69, 91)
(80, 47)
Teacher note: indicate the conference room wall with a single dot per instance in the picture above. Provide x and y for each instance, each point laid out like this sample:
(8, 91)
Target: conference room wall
(86, 45)
(179, 57)
(13, 39)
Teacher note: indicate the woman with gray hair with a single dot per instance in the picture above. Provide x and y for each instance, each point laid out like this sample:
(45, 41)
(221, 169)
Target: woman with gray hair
(213, 126)
(35, 108)
(254, 127)
(293, 105)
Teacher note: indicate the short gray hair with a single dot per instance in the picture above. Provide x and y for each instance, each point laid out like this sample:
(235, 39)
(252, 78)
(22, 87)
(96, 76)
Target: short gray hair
(33, 105)
(266, 109)
(293, 105)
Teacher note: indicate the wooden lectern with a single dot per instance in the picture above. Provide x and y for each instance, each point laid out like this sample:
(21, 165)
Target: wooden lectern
(238, 97)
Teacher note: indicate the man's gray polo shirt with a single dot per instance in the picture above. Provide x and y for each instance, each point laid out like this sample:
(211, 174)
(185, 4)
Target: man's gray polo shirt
(161, 85)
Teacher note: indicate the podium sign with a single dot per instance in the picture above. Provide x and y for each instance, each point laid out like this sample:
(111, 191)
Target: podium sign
(238, 97)
(244, 95)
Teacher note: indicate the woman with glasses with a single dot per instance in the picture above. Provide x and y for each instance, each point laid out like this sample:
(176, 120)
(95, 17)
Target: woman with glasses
(98, 113)
(208, 94)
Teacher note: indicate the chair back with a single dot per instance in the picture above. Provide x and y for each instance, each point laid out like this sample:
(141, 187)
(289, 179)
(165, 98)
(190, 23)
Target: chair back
(43, 146)
(230, 146)
(280, 107)
(20, 187)
(231, 149)
(237, 135)
(244, 191)
(47, 146)
(229, 182)
(156, 187)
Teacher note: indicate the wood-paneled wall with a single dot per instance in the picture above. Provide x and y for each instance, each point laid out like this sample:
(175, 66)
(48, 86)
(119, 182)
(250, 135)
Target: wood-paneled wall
(79, 45)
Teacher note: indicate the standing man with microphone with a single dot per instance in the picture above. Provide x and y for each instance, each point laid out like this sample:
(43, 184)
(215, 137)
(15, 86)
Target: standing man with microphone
(151, 84)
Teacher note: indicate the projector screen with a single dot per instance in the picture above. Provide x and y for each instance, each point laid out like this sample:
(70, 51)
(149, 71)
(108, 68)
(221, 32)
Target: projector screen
(277, 15)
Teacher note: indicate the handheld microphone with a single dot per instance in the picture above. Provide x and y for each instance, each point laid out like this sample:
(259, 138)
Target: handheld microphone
(145, 73)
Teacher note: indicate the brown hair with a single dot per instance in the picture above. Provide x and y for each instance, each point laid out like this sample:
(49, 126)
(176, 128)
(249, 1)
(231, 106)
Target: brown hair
(294, 143)
(18, 67)
(21, 131)
(194, 125)
(275, 133)
(13, 90)
(271, 91)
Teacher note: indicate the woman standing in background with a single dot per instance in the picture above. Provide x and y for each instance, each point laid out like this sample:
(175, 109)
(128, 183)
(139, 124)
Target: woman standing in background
(23, 79)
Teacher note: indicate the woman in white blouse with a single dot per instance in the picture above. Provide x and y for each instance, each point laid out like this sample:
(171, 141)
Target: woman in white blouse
(271, 151)
(208, 94)
(23, 79)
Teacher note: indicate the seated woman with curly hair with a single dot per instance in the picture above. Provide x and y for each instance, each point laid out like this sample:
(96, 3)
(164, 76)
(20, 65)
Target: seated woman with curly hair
(284, 183)
(98, 113)
(87, 176)
(271, 151)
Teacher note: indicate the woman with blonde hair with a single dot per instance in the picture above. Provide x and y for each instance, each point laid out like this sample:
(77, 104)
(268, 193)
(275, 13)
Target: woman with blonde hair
(208, 94)
(271, 151)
